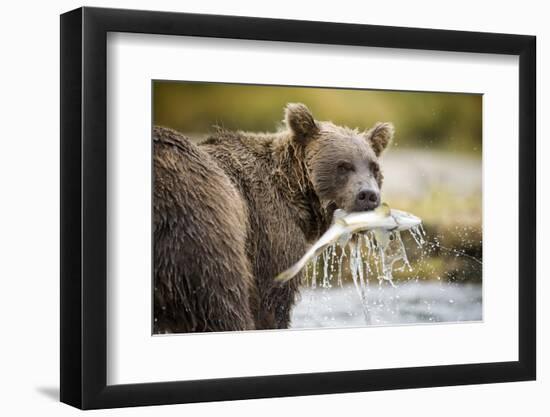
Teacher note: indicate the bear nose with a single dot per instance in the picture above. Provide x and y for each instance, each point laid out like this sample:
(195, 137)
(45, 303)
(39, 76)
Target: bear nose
(367, 200)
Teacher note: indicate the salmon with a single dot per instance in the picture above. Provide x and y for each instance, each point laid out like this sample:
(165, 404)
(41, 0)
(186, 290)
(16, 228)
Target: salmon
(382, 221)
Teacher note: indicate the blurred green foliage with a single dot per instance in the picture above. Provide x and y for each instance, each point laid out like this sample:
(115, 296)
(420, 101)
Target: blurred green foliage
(448, 121)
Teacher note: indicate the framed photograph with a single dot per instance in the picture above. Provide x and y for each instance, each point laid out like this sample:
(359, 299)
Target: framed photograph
(257, 208)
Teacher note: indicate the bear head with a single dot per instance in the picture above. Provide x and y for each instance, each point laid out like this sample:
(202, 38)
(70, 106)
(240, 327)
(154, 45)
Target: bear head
(342, 164)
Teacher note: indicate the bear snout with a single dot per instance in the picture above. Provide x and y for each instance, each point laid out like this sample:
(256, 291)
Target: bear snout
(367, 199)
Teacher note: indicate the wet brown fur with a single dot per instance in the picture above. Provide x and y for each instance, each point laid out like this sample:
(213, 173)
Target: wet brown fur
(234, 211)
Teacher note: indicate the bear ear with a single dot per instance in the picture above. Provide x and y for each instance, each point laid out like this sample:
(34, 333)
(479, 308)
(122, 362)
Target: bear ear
(300, 120)
(380, 137)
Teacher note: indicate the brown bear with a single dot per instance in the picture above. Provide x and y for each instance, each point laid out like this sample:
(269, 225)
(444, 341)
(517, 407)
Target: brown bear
(237, 209)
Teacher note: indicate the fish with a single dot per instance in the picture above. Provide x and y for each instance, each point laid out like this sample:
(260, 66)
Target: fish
(382, 220)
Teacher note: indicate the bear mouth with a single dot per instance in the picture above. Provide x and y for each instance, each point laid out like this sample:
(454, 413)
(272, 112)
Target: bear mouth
(333, 207)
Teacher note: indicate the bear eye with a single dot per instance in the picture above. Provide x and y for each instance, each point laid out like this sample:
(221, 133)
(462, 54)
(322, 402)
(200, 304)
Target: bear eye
(374, 168)
(344, 167)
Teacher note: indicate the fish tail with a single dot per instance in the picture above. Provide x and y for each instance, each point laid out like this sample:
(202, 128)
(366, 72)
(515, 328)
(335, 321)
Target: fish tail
(288, 274)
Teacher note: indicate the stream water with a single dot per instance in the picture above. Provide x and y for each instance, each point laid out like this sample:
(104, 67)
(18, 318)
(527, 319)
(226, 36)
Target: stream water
(408, 303)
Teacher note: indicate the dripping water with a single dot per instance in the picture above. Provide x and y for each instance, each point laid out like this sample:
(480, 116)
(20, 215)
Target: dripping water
(372, 255)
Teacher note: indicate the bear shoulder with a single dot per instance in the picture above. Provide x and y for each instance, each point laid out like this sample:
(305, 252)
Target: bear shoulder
(167, 136)
(222, 136)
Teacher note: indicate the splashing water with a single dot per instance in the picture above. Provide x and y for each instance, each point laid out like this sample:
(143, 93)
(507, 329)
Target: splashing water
(392, 252)
(340, 260)
(418, 234)
(372, 254)
(327, 259)
(314, 273)
(356, 268)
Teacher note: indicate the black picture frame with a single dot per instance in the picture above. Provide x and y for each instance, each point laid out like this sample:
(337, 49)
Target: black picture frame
(84, 207)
